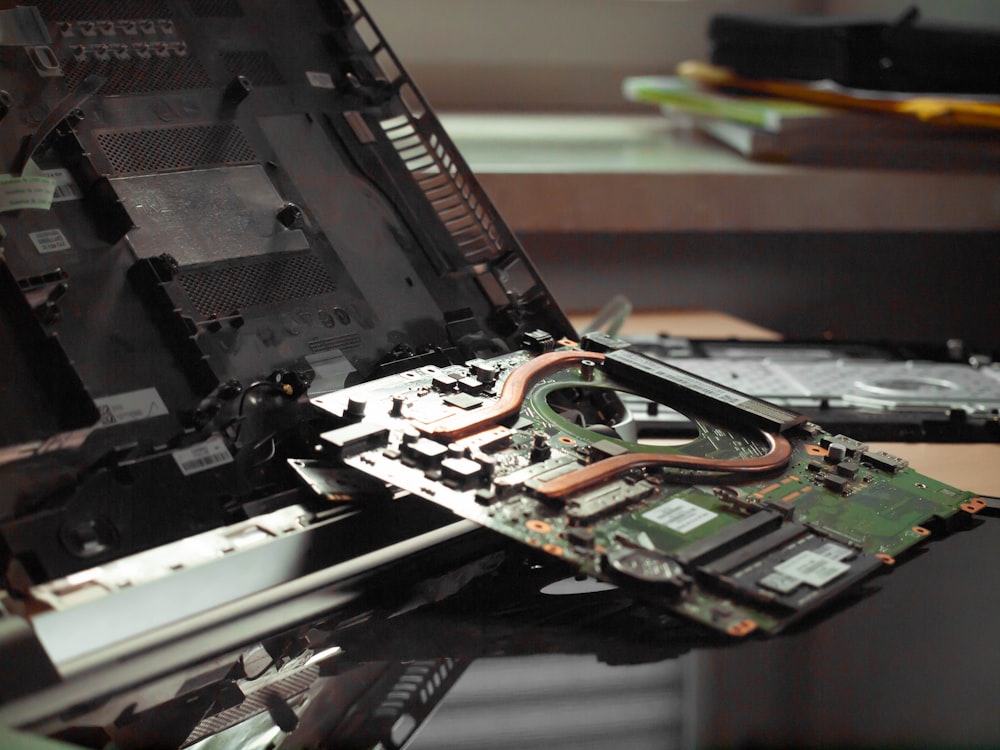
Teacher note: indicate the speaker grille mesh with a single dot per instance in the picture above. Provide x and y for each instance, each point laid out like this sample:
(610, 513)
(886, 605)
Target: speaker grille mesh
(97, 10)
(158, 149)
(216, 8)
(344, 343)
(223, 291)
(256, 65)
(139, 76)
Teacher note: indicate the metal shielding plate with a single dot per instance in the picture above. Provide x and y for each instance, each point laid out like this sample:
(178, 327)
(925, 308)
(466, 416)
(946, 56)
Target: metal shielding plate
(206, 215)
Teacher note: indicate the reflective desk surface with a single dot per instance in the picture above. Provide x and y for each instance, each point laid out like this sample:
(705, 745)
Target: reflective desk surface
(913, 662)
(529, 657)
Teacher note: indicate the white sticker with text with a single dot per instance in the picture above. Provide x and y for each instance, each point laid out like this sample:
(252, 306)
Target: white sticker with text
(680, 515)
(49, 241)
(320, 80)
(131, 406)
(213, 452)
(812, 568)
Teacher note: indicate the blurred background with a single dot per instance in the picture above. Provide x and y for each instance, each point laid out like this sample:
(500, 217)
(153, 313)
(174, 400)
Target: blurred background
(551, 55)
(609, 197)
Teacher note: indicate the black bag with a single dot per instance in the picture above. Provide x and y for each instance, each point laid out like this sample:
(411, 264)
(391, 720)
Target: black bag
(910, 54)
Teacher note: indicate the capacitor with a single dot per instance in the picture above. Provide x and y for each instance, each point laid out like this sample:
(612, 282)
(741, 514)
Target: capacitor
(396, 410)
(356, 407)
(836, 452)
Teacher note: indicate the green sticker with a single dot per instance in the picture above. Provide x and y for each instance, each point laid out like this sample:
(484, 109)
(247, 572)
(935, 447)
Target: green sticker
(26, 192)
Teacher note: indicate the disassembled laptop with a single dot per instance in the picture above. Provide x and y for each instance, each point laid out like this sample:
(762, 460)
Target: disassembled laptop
(256, 311)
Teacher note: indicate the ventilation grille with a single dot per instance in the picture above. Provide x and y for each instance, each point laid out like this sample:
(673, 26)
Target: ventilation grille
(216, 8)
(137, 75)
(159, 149)
(450, 192)
(223, 291)
(256, 65)
(430, 158)
(343, 343)
(97, 10)
(255, 703)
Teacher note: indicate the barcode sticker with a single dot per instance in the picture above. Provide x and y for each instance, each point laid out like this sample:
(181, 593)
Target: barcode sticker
(680, 516)
(49, 241)
(812, 568)
(320, 80)
(213, 452)
(66, 188)
(130, 407)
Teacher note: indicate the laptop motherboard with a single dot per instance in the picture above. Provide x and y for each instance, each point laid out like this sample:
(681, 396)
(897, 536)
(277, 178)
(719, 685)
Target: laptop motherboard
(759, 520)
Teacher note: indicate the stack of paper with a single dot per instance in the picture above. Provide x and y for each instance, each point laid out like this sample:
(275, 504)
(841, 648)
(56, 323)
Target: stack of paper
(826, 124)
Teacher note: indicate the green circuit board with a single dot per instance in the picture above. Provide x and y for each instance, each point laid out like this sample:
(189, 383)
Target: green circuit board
(772, 518)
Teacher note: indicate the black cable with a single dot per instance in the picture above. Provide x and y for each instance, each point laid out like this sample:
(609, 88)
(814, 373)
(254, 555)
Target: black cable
(243, 400)
(258, 444)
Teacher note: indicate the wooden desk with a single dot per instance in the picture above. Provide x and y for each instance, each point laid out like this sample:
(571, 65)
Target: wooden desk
(639, 173)
(974, 466)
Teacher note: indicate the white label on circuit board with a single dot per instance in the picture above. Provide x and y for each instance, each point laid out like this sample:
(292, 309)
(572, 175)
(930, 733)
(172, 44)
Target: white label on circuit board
(833, 551)
(320, 80)
(812, 568)
(213, 452)
(131, 406)
(49, 241)
(680, 515)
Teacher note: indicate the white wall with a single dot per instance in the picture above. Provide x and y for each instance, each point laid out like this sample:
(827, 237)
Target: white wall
(547, 54)
(573, 54)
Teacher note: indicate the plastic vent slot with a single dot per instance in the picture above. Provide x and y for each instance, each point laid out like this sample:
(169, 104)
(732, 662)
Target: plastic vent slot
(343, 343)
(216, 8)
(159, 149)
(219, 292)
(450, 192)
(451, 189)
(255, 703)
